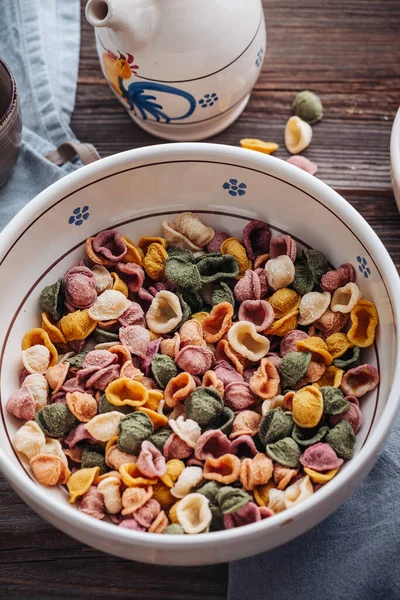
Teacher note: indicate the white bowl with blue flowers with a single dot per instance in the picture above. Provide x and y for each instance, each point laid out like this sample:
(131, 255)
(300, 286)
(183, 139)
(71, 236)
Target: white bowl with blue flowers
(133, 192)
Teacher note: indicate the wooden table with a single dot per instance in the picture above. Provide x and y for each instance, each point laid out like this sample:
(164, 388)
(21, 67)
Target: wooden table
(346, 51)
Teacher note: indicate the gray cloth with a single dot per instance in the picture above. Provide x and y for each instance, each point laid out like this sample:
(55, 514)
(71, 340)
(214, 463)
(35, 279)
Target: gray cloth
(353, 555)
(39, 40)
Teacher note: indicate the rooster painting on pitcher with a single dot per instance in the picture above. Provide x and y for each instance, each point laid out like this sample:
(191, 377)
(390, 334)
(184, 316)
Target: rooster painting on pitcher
(184, 71)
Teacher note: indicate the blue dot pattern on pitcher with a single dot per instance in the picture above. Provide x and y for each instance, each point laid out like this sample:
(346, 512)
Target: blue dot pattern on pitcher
(79, 215)
(363, 266)
(235, 188)
(208, 100)
(259, 57)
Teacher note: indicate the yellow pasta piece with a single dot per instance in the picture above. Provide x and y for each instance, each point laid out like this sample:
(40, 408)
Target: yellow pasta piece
(39, 337)
(321, 477)
(259, 145)
(80, 481)
(77, 325)
(119, 285)
(132, 477)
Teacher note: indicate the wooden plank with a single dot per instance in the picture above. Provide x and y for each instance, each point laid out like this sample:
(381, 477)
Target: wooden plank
(344, 51)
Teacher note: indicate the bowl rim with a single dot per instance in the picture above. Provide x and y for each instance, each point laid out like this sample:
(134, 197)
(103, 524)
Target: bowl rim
(196, 151)
(395, 153)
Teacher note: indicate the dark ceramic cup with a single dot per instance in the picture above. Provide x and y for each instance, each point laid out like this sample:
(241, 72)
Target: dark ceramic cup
(10, 122)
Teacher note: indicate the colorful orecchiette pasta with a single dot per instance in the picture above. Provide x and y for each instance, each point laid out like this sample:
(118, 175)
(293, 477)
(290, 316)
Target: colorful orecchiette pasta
(196, 380)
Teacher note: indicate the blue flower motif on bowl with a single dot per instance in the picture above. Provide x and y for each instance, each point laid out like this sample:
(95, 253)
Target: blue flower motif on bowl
(79, 215)
(235, 188)
(259, 57)
(363, 266)
(208, 100)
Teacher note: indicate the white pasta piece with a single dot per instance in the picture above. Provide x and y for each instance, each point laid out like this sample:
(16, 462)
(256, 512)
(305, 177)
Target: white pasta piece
(111, 304)
(193, 513)
(188, 430)
(103, 279)
(30, 440)
(54, 447)
(312, 307)
(279, 272)
(345, 298)
(188, 479)
(298, 135)
(104, 427)
(36, 359)
(276, 402)
(110, 489)
(165, 312)
(276, 500)
(243, 338)
(298, 491)
(38, 387)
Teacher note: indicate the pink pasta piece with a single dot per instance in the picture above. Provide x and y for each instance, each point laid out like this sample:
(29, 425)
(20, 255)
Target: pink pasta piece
(288, 343)
(353, 416)
(243, 447)
(131, 524)
(284, 244)
(80, 288)
(145, 296)
(176, 448)
(265, 512)
(161, 286)
(22, 375)
(78, 434)
(59, 397)
(195, 359)
(238, 396)
(256, 238)
(92, 503)
(320, 457)
(252, 286)
(226, 372)
(133, 274)
(151, 463)
(21, 404)
(212, 444)
(195, 462)
(136, 339)
(360, 380)
(110, 245)
(133, 315)
(146, 514)
(258, 312)
(216, 242)
(249, 513)
(98, 359)
(303, 163)
(248, 374)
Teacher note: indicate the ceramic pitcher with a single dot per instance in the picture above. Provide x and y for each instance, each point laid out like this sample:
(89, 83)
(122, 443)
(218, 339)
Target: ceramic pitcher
(184, 69)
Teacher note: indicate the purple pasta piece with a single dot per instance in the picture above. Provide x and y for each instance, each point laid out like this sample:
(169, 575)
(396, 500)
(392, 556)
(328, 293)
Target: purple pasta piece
(216, 242)
(136, 338)
(152, 349)
(249, 513)
(174, 447)
(320, 457)
(78, 434)
(131, 524)
(110, 245)
(353, 416)
(80, 288)
(98, 359)
(102, 378)
(256, 238)
(252, 286)
(21, 404)
(92, 503)
(226, 372)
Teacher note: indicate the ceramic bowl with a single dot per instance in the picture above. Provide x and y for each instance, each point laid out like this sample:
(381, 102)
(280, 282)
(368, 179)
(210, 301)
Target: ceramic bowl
(395, 157)
(227, 187)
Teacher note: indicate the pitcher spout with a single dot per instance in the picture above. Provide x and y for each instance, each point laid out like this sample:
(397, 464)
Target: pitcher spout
(132, 20)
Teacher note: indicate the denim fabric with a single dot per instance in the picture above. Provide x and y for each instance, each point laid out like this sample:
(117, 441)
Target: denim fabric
(39, 40)
(353, 555)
